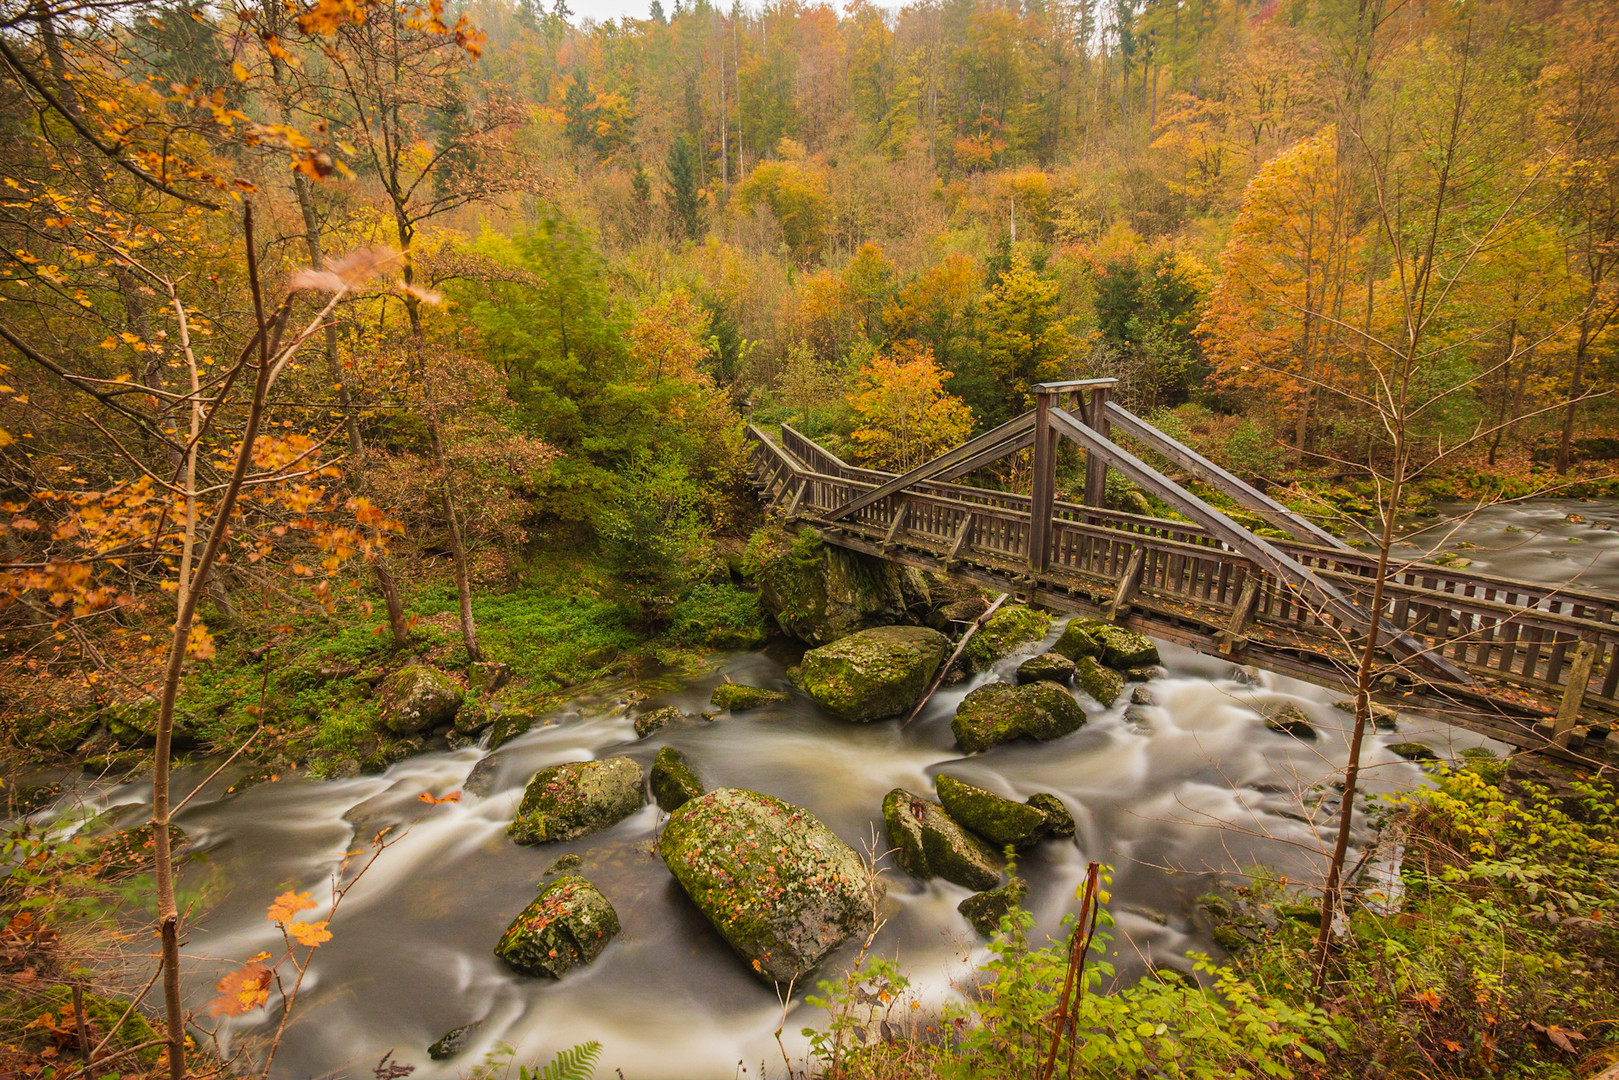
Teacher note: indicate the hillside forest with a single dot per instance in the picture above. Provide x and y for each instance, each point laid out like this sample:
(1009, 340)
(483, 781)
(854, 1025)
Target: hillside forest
(337, 330)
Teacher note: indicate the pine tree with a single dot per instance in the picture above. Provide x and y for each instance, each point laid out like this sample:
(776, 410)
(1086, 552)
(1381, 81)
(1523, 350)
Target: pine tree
(681, 190)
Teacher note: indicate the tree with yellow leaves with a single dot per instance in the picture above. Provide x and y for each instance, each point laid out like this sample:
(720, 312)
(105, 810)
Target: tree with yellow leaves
(906, 416)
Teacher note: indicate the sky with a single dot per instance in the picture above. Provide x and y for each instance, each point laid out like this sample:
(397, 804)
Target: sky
(602, 10)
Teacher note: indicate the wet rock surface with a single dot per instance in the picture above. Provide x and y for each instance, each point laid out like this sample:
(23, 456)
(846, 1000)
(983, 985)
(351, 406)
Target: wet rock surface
(999, 820)
(997, 713)
(567, 925)
(929, 843)
(873, 674)
(673, 782)
(565, 802)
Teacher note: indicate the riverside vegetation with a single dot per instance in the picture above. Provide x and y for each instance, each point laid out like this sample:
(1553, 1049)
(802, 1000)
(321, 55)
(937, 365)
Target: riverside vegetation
(375, 374)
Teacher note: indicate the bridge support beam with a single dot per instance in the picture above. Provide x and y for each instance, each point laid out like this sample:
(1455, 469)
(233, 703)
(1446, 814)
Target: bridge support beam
(1043, 487)
(1095, 463)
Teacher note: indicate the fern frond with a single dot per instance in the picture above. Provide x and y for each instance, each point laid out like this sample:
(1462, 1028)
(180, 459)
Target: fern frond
(574, 1063)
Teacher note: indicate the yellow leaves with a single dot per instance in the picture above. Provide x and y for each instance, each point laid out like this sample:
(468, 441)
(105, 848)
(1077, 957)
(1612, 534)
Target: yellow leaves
(239, 69)
(241, 991)
(309, 934)
(288, 905)
(431, 800)
(199, 643)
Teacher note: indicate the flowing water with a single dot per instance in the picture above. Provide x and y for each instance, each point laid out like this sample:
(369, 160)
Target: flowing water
(1171, 794)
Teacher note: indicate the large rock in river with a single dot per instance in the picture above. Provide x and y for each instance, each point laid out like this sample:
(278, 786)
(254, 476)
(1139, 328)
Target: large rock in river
(1000, 821)
(1112, 645)
(573, 800)
(1003, 632)
(567, 925)
(1000, 712)
(673, 782)
(818, 593)
(775, 882)
(1102, 683)
(929, 843)
(419, 698)
(875, 673)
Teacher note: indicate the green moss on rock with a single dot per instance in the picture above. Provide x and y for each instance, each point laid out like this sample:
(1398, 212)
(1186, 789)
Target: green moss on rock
(454, 1041)
(1000, 821)
(1384, 718)
(1047, 667)
(1059, 822)
(929, 843)
(739, 697)
(1230, 939)
(568, 801)
(1102, 683)
(567, 925)
(508, 725)
(873, 674)
(776, 883)
(648, 722)
(419, 698)
(1000, 712)
(1290, 720)
(673, 782)
(819, 594)
(1124, 649)
(1079, 639)
(1004, 631)
(985, 910)
(1413, 751)
(1309, 914)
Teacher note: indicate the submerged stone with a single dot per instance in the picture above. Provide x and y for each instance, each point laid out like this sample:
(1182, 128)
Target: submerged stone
(573, 800)
(567, 925)
(564, 863)
(985, 910)
(647, 723)
(1103, 684)
(1047, 667)
(673, 782)
(1413, 751)
(1384, 718)
(1004, 631)
(1000, 821)
(873, 674)
(508, 725)
(739, 697)
(1059, 822)
(454, 1041)
(1289, 720)
(419, 698)
(929, 843)
(776, 883)
(1000, 712)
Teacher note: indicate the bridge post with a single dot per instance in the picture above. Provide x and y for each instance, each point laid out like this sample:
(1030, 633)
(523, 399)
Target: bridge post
(1043, 488)
(1095, 464)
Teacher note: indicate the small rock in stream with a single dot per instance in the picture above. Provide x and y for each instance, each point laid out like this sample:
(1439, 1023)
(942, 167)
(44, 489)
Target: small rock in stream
(739, 697)
(568, 801)
(673, 782)
(567, 925)
(454, 1041)
(986, 909)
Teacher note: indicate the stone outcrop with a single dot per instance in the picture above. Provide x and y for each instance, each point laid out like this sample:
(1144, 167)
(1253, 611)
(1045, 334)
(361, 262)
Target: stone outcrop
(875, 673)
(1102, 683)
(648, 722)
(1047, 667)
(818, 593)
(984, 910)
(1000, 712)
(1003, 632)
(739, 697)
(567, 925)
(776, 883)
(673, 782)
(929, 843)
(573, 800)
(998, 820)
(419, 698)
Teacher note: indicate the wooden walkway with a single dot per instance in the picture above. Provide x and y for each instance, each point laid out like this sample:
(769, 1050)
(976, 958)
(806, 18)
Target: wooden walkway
(1533, 665)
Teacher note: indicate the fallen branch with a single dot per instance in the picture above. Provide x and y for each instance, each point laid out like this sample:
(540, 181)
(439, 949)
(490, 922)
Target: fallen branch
(944, 668)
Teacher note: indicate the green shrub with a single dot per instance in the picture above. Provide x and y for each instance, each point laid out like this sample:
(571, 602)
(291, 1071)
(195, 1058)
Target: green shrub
(718, 617)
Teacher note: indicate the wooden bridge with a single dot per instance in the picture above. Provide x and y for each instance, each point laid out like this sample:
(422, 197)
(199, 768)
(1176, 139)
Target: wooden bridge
(1534, 665)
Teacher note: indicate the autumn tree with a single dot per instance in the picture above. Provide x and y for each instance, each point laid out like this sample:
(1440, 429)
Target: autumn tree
(905, 414)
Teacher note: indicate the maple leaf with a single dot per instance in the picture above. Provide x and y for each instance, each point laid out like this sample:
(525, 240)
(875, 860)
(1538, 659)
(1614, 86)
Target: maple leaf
(431, 800)
(289, 904)
(241, 991)
(311, 934)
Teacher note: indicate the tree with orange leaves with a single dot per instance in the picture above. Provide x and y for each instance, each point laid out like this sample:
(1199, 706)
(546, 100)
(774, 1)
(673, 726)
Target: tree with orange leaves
(906, 416)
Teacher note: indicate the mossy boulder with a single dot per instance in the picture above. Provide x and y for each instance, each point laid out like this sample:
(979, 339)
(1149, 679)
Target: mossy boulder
(1102, 683)
(1289, 720)
(997, 713)
(1000, 821)
(509, 724)
(487, 676)
(380, 755)
(419, 698)
(648, 722)
(873, 674)
(1004, 631)
(1309, 914)
(58, 731)
(984, 910)
(776, 883)
(1059, 822)
(673, 782)
(929, 843)
(818, 593)
(568, 801)
(103, 1015)
(1124, 649)
(1079, 639)
(739, 697)
(1413, 751)
(567, 925)
(1384, 718)
(1047, 667)
(134, 724)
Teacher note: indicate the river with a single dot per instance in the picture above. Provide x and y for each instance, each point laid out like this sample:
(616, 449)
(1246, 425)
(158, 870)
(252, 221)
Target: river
(1172, 795)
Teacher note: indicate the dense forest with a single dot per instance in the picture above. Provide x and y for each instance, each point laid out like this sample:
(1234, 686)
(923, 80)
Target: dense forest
(343, 332)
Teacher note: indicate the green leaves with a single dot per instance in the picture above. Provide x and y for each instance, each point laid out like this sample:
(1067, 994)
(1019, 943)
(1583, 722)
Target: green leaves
(574, 1063)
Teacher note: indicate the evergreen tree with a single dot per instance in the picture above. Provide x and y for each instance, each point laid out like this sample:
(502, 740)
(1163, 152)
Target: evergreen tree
(680, 191)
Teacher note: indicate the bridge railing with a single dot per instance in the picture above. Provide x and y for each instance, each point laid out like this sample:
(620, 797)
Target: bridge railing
(1541, 640)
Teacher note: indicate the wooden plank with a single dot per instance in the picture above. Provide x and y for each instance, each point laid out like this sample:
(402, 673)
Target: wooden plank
(898, 524)
(968, 451)
(960, 542)
(798, 497)
(1579, 679)
(1236, 631)
(1043, 486)
(1095, 463)
(1127, 585)
(1207, 471)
